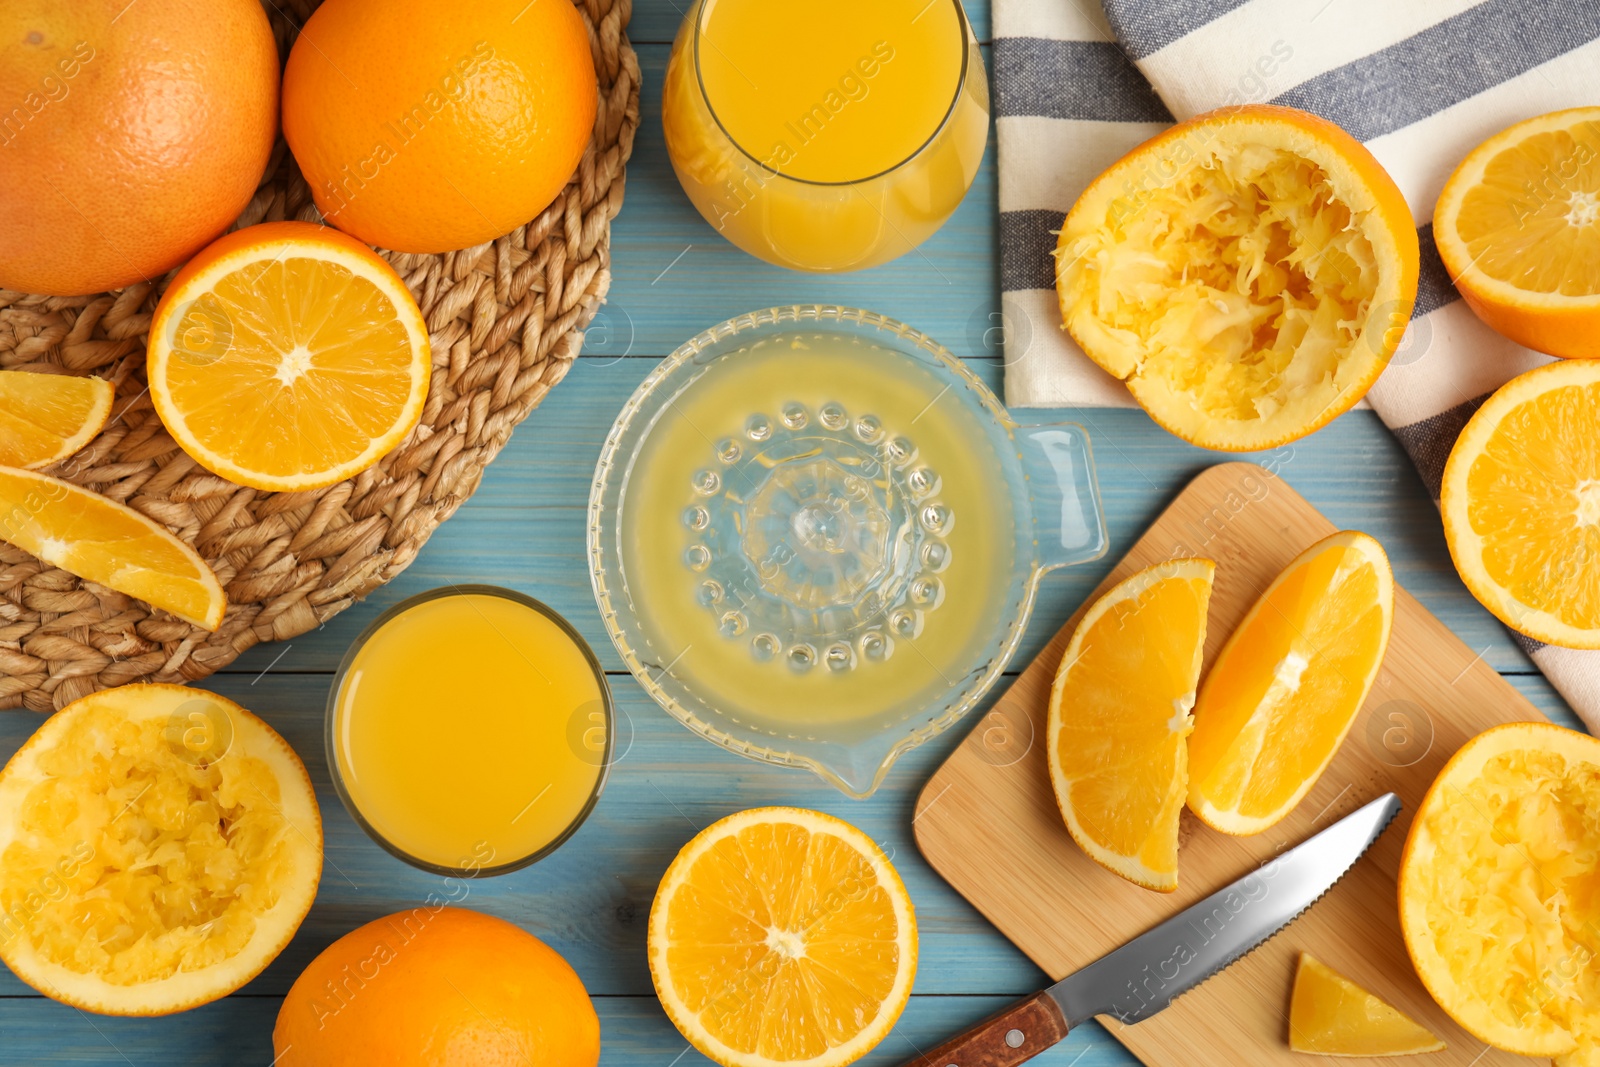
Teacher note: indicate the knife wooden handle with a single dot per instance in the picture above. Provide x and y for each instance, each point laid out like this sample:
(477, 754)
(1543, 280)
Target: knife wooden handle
(1019, 1032)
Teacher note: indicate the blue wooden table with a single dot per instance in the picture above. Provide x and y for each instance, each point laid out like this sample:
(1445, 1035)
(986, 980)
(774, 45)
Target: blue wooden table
(524, 529)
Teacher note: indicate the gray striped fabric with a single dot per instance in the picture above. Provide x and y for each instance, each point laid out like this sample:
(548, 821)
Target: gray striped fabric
(1420, 81)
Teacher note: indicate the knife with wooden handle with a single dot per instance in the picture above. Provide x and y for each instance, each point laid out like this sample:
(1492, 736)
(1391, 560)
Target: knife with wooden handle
(1135, 981)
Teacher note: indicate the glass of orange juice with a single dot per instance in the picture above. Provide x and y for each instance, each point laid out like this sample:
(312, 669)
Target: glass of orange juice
(469, 730)
(826, 135)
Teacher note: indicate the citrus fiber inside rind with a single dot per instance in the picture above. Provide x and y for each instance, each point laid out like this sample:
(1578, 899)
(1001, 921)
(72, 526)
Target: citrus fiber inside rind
(1520, 921)
(1554, 505)
(261, 244)
(679, 874)
(1229, 355)
(1180, 724)
(249, 739)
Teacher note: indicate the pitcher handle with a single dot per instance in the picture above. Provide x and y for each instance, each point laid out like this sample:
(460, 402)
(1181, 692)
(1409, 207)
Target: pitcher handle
(1068, 523)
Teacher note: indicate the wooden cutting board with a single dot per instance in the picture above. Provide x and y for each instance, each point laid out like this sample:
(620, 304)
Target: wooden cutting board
(987, 819)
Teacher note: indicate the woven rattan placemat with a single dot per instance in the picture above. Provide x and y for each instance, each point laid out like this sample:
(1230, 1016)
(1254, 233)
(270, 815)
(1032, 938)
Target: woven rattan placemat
(505, 321)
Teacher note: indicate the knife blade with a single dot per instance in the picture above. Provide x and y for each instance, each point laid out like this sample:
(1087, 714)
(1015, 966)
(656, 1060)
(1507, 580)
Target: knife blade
(1135, 981)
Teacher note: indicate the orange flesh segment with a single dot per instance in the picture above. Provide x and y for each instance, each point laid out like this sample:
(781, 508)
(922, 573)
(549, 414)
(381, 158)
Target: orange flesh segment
(47, 417)
(1333, 1016)
(1120, 716)
(1534, 497)
(785, 939)
(291, 366)
(1288, 684)
(109, 543)
(1533, 220)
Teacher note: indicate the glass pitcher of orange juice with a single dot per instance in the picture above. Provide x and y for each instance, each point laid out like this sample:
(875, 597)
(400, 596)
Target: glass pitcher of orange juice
(826, 135)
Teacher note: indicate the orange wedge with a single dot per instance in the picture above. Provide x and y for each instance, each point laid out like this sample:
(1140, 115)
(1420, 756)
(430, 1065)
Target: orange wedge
(1521, 504)
(1287, 684)
(48, 417)
(782, 936)
(1500, 890)
(108, 543)
(1119, 717)
(1247, 273)
(1332, 1016)
(288, 356)
(1518, 228)
(159, 846)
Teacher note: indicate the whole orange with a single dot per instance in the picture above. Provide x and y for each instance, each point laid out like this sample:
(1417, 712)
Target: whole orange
(131, 135)
(437, 986)
(427, 127)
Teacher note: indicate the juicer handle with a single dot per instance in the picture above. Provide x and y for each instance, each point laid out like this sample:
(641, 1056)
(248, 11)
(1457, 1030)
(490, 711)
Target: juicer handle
(1068, 524)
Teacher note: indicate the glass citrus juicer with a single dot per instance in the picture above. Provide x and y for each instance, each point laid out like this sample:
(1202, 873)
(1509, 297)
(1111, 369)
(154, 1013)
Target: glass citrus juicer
(816, 537)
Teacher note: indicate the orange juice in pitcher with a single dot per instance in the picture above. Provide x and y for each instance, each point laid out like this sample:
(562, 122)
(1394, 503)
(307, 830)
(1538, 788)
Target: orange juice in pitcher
(827, 135)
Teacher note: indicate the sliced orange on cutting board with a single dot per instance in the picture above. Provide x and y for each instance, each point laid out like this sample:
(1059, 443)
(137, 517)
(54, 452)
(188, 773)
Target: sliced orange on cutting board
(1119, 719)
(1247, 273)
(159, 846)
(1283, 692)
(1518, 228)
(1500, 890)
(108, 543)
(288, 356)
(1521, 504)
(781, 936)
(1329, 1015)
(48, 417)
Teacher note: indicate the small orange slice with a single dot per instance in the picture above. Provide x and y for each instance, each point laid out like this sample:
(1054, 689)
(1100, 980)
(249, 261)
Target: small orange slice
(1119, 717)
(782, 936)
(1287, 684)
(108, 543)
(1247, 273)
(1518, 228)
(288, 356)
(1500, 890)
(1521, 503)
(1330, 1015)
(48, 417)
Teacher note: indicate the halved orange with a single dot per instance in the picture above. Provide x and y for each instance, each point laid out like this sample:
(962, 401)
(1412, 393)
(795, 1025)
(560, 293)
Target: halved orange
(782, 936)
(1518, 228)
(1247, 273)
(159, 846)
(1285, 688)
(1119, 717)
(288, 356)
(48, 417)
(1329, 1015)
(109, 543)
(1500, 890)
(1521, 503)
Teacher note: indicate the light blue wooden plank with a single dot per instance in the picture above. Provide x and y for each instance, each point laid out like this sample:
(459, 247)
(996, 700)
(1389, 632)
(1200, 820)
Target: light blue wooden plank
(657, 21)
(1544, 697)
(590, 900)
(525, 526)
(673, 275)
(634, 1032)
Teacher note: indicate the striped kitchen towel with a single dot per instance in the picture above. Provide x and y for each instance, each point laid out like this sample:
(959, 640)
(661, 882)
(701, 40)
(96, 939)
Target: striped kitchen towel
(1421, 82)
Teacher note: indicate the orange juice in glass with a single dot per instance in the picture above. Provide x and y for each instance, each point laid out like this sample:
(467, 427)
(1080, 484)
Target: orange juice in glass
(826, 135)
(469, 730)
